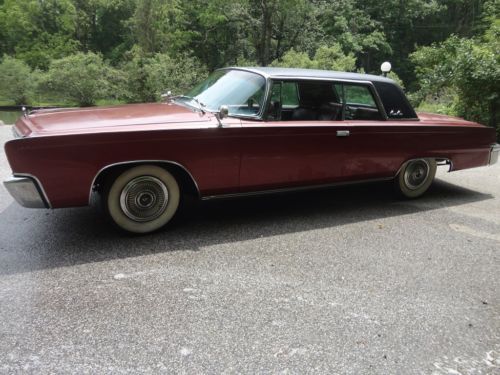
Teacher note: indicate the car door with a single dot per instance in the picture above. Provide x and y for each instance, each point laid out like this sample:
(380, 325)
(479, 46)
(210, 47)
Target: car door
(370, 149)
(282, 151)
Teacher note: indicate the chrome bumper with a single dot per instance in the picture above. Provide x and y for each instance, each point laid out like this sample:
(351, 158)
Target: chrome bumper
(494, 152)
(27, 191)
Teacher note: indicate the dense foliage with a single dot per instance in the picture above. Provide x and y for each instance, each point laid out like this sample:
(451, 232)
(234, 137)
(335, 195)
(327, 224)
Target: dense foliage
(132, 50)
(467, 68)
(17, 80)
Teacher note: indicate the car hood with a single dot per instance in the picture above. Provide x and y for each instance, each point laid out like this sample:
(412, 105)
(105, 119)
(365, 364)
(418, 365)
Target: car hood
(72, 120)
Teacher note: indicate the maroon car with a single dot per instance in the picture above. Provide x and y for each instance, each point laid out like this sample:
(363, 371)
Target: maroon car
(242, 131)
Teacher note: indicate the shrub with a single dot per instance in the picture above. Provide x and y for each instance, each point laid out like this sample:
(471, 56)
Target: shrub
(294, 59)
(468, 67)
(329, 58)
(17, 80)
(83, 78)
(149, 77)
(333, 58)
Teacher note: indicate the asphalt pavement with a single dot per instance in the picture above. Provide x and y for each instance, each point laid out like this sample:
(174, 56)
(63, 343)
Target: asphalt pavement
(348, 281)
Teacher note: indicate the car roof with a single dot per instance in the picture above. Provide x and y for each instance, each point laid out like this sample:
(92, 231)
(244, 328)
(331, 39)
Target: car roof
(271, 72)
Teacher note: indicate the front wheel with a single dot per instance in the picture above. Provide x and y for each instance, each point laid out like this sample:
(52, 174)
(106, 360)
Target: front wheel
(142, 199)
(416, 177)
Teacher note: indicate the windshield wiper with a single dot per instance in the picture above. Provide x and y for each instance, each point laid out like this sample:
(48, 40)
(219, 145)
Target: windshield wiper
(200, 104)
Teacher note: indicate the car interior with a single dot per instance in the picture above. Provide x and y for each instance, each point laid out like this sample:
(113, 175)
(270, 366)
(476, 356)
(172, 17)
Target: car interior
(321, 101)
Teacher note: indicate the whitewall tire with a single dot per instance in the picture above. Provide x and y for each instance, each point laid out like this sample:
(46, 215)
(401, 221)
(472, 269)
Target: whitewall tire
(415, 177)
(142, 199)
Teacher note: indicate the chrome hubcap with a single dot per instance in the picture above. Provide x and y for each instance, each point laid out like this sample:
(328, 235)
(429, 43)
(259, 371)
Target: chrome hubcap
(144, 198)
(416, 174)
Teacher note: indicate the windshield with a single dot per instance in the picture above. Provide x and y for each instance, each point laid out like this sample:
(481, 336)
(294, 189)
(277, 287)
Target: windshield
(243, 92)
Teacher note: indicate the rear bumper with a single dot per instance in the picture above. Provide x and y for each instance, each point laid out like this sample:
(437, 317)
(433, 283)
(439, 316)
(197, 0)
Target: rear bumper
(494, 153)
(27, 191)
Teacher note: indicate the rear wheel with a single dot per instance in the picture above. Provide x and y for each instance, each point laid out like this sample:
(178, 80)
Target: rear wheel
(416, 177)
(142, 199)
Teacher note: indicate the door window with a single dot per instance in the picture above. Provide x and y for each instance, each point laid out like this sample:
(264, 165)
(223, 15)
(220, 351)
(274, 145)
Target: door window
(359, 95)
(360, 103)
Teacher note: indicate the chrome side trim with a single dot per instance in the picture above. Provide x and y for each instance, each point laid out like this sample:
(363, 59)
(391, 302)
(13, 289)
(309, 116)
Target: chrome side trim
(92, 186)
(494, 153)
(294, 189)
(27, 191)
(314, 187)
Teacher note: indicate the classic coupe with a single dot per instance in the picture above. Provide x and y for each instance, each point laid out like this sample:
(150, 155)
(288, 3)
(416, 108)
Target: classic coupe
(242, 131)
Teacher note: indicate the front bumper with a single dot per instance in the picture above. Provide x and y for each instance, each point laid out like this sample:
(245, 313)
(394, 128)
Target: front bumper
(494, 152)
(27, 191)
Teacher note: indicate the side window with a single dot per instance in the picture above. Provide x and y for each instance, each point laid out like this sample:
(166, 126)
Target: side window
(274, 107)
(359, 95)
(284, 99)
(395, 103)
(289, 95)
(339, 92)
(360, 103)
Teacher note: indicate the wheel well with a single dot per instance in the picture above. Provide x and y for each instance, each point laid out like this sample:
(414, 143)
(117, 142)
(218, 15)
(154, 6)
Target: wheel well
(439, 161)
(186, 181)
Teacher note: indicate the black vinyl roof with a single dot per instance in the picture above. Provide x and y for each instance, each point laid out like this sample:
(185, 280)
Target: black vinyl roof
(314, 73)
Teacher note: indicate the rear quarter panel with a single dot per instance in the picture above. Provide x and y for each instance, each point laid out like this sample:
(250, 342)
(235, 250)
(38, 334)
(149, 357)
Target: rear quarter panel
(382, 147)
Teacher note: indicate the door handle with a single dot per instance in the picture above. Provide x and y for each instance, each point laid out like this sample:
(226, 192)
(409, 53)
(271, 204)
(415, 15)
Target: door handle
(343, 133)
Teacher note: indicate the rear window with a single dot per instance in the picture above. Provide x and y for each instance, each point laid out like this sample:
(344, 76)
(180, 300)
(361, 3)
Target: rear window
(394, 100)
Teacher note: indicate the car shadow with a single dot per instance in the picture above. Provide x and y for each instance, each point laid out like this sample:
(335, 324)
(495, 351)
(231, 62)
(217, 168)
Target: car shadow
(42, 239)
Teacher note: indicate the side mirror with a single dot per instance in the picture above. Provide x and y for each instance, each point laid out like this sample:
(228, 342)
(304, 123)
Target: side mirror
(223, 111)
(222, 114)
(166, 97)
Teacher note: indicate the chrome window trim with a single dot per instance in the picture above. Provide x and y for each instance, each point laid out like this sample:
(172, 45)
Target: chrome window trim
(369, 84)
(92, 185)
(260, 114)
(270, 78)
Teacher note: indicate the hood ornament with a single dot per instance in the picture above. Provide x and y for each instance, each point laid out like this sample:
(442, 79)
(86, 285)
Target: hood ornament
(25, 112)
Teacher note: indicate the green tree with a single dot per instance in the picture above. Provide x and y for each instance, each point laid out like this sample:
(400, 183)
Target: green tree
(216, 31)
(294, 59)
(155, 24)
(470, 68)
(18, 81)
(349, 24)
(329, 58)
(101, 26)
(333, 58)
(83, 78)
(277, 26)
(38, 31)
(149, 77)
